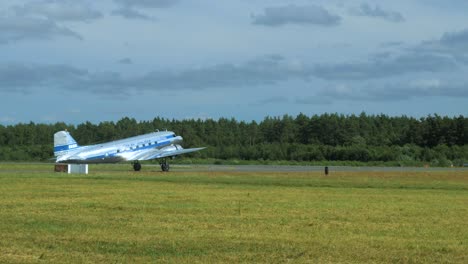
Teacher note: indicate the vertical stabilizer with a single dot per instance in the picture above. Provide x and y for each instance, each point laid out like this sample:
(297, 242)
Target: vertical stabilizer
(63, 143)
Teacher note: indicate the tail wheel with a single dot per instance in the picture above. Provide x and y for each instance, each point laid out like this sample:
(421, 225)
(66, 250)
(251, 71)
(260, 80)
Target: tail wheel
(137, 166)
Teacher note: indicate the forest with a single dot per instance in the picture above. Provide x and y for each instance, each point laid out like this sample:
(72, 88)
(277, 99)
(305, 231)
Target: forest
(372, 139)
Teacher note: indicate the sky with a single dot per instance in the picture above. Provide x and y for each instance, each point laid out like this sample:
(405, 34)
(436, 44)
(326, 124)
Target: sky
(81, 60)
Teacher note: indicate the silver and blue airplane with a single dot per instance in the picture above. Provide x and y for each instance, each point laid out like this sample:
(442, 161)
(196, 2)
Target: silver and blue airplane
(156, 145)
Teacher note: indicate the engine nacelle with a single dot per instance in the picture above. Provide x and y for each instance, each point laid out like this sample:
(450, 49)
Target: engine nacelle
(172, 148)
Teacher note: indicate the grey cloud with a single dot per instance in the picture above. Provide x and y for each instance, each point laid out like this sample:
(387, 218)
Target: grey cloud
(110, 83)
(462, 58)
(392, 44)
(360, 93)
(261, 71)
(377, 12)
(455, 43)
(20, 28)
(128, 8)
(18, 77)
(396, 91)
(292, 14)
(268, 70)
(272, 100)
(130, 13)
(264, 70)
(59, 10)
(380, 68)
(147, 3)
(125, 61)
(313, 100)
(451, 44)
(445, 54)
(456, 39)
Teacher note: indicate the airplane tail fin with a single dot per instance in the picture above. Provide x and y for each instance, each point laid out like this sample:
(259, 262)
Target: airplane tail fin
(63, 143)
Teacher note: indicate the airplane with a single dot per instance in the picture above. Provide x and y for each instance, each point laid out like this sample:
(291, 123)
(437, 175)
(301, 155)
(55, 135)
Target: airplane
(156, 145)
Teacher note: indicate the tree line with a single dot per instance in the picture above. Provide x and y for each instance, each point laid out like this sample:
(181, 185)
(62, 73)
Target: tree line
(436, 140)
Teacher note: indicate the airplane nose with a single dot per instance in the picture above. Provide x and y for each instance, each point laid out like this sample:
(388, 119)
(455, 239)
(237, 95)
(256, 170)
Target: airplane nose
(178, 140)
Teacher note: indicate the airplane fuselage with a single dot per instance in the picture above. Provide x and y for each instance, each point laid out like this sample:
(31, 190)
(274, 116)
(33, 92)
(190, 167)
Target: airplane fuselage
(129, 149)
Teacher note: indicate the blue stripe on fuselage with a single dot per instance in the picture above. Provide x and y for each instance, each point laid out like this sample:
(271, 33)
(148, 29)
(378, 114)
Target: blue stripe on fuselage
(132, 149)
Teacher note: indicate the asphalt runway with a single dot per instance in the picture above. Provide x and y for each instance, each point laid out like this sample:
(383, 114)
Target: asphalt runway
(286, 168)
(243, 168)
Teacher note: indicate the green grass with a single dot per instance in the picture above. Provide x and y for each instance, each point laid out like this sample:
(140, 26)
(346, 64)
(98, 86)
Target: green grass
(212, 217)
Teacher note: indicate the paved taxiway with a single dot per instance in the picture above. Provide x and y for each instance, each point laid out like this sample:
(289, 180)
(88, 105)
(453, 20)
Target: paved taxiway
(286, 168)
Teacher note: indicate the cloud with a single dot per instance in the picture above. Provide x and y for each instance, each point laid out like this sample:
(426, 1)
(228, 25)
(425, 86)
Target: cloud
(38, 20)
(377, 12)
(108, 83)
(373, 79)
(445, 54)
(59, 10)
(457, 40)
(440, 67)
(22, 28)
(261, 71)
(273, 100)
(130, 13)
(125, 61)
(453, 43)
(396, 91)
(313, 100)
(292, 14)
(19, 78)
(386, 67)
(147, 3)
(128, 8)
(267, 70)
(391, 44)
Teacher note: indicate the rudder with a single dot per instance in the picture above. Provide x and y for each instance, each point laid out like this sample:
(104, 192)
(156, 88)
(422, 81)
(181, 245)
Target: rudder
(63, 143)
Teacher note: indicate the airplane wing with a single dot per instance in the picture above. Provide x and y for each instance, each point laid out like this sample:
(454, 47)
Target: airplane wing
(156, 154)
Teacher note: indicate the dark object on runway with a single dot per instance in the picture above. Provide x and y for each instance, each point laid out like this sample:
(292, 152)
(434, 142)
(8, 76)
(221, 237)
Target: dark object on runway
(61, 168)
(326, 170)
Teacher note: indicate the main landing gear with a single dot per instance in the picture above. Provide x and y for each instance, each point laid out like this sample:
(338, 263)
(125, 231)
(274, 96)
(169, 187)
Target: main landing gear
(164, 165)
(137, 166)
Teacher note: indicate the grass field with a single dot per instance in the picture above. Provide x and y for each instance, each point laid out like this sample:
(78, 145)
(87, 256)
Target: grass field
(212, 217)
